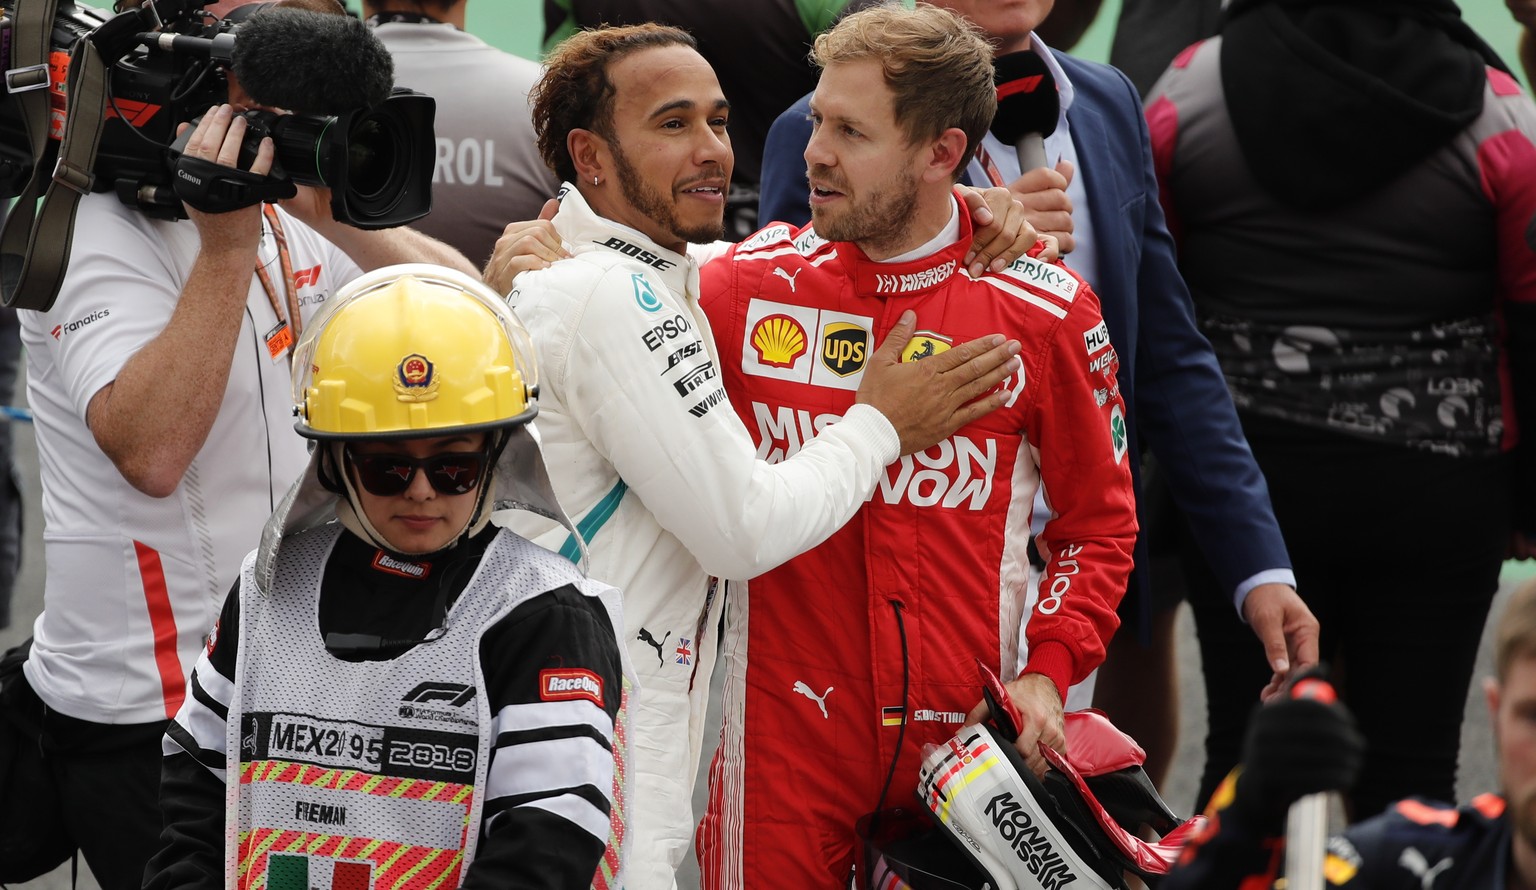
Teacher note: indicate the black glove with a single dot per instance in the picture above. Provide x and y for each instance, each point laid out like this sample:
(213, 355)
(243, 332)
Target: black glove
(1302, 743)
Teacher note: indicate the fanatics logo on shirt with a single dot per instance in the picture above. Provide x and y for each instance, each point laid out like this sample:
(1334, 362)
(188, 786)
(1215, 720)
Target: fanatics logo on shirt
(69, 327)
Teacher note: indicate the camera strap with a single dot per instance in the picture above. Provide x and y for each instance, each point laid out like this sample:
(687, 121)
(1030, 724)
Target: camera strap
(35, 241)
(28, 79)
(289, 325)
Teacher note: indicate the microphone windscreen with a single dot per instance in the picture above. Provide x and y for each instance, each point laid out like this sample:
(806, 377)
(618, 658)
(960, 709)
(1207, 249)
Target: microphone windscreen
(310, 62)
(1026, 97)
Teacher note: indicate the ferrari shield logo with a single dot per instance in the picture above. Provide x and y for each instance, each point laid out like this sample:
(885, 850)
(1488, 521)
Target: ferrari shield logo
(924, 344)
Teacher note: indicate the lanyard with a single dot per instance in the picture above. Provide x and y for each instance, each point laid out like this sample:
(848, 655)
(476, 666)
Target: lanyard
(289, 324)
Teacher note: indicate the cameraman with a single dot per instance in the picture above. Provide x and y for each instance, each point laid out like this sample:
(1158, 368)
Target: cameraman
(160, 381)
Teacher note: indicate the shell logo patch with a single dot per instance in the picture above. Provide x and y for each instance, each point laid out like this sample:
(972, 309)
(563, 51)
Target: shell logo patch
(779, 340)
(415, 379)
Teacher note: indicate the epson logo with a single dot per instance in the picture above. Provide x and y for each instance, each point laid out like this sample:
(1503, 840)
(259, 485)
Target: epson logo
(59, 330)
(670, 329)
(1028, 842)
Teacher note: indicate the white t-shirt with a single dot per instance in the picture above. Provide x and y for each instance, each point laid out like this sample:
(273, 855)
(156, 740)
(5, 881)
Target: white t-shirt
(135, 583)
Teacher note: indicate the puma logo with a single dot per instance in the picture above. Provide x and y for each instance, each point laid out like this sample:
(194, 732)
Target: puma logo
(1415, 862)
(820, 700)
(788, 277)
(645, 637)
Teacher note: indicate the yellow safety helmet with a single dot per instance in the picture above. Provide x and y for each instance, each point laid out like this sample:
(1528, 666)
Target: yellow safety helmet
(413, 350)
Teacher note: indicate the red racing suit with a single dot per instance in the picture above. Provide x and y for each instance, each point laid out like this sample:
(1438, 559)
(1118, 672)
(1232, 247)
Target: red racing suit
(860, 651)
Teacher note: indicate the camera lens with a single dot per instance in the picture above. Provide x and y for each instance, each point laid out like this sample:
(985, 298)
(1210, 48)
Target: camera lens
(373, 151)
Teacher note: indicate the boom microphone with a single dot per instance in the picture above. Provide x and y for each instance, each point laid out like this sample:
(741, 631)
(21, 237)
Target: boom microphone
(310, 62)
(1027, 105)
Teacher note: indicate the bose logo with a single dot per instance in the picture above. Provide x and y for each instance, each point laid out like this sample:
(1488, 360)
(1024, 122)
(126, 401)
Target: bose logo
(644, 256)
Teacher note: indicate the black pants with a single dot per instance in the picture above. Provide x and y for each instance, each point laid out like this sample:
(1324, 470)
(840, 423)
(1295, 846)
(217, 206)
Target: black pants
(1398, 554)
(86, 786)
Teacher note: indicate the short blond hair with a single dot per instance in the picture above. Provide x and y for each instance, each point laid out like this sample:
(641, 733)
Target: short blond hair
(1515, 634)
(937, 64)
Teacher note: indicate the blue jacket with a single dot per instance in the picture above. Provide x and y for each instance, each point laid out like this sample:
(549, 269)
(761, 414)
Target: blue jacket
(1173, 389)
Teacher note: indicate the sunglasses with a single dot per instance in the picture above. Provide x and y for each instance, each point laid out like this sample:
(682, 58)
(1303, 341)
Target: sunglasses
(387, 475)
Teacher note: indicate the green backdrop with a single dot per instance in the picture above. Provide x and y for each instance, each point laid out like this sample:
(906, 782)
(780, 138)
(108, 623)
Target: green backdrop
(518, 26)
